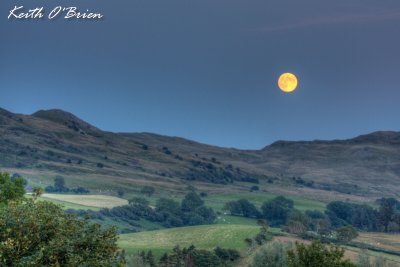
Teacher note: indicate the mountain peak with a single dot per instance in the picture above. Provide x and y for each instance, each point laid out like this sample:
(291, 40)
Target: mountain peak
(380, 137)
(63, 117)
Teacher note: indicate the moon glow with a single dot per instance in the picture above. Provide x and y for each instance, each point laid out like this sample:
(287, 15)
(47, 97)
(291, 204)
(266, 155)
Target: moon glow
(287, 82)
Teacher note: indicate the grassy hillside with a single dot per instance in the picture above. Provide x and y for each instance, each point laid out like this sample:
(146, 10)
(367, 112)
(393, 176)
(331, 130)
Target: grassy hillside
(90, 201)
(204, 236)
(53, 142)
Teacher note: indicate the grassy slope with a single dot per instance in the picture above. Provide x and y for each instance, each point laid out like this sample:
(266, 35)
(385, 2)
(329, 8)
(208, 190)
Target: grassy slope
(57, 143)
(204, 236)
(92, 201)
(229, 231)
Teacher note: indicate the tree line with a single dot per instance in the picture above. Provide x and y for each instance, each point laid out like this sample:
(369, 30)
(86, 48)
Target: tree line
(168, 212)
(339, 215)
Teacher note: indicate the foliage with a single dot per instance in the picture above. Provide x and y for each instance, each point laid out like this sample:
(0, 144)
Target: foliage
(41, 234)
(386, 211)
(273, 254)
(168, 212)
(298, 223)
(10, 188)
(365, 261)
(190, 256)
(346, 233)
(385, 218)
(191, 202)
(277, 210)
(243, 208)
(317, 255)
(59, 187)
(227, 255)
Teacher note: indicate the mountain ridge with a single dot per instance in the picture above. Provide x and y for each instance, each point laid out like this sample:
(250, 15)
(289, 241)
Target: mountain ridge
(55, 141)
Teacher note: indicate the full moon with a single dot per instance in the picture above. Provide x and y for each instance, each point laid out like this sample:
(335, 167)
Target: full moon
(287, 82)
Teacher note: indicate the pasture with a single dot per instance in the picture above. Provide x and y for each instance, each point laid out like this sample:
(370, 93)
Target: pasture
(90, 201)
(203, 236)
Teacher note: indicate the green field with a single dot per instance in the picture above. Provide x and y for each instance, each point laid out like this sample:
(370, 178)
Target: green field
(204, 237)
(95, 201)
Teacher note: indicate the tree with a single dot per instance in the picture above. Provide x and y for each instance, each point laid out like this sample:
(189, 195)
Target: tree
(166, 205)
(227, 255)
(273, 254)
(148, 190)
(120, 193)
(191, 202)
(138, 201)
(298, 222)
(340, 213)
(317, 255)
(276, 211)
(206, 213)
(346, 233)
(37, 192)
(249, 209)
(59, 183)
(365, 218)
(386, 211)
(41, 234)
(234, 208)
(243, 208)
(10, 189)
(204, 258)
(364, 260)
(150, 259)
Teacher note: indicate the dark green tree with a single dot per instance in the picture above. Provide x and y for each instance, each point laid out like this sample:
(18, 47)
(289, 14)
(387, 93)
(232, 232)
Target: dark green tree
(41, 234)
(346, 233)
(386, 211)
(317, 255)
(59, 183)
(277, 210)
(138, 201)
(191, 202)
(10, 189)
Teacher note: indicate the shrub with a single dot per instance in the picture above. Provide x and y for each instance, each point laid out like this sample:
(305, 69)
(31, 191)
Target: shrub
(317, 255)
(277, 210)
(41, 234)
(10, 189)
(271, 255)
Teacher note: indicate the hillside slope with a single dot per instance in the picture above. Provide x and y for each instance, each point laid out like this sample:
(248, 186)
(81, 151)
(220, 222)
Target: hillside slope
(57, 142)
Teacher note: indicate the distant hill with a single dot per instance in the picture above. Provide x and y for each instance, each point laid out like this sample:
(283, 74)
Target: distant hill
(51, 142)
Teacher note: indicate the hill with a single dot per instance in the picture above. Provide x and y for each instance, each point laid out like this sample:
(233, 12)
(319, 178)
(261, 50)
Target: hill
(55, 142)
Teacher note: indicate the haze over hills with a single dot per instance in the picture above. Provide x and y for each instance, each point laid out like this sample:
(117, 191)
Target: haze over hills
(51, 142)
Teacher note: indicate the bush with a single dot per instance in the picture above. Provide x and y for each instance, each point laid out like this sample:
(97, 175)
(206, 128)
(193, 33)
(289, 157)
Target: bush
(317, 255)
(277, 210)
(346, 234)
(271, 255)
(243, 208)
(41, 234)
(10, 189)
(191, 202)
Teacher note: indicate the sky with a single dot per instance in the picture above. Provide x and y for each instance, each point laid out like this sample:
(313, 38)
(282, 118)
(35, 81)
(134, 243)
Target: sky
(207, 70)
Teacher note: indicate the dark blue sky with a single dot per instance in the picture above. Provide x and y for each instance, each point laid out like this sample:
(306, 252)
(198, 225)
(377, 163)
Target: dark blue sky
(207, 70)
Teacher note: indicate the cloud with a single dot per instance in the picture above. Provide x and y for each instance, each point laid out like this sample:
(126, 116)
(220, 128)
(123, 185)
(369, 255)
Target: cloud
(330, 20)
